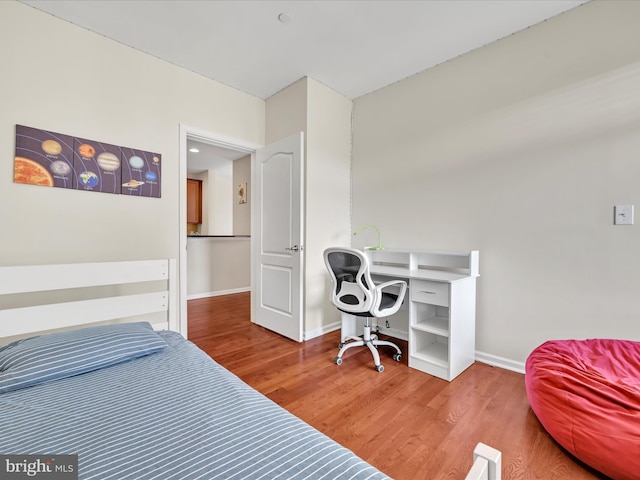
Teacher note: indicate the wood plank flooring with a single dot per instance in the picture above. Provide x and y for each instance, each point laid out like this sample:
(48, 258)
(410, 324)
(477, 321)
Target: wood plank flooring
(406, 423)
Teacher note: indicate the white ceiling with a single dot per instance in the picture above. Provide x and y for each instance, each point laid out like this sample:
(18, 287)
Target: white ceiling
(209, 157)
(352, 46)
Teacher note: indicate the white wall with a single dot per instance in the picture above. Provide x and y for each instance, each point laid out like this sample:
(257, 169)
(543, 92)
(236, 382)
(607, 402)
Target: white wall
(242, 211)
(286, 112)
(218, 266)
(328, 186)
(220, 198)
(59, 77)
(519, 149)
(325, 117)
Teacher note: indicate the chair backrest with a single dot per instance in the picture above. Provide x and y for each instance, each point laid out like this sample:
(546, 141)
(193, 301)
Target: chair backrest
(352, 290)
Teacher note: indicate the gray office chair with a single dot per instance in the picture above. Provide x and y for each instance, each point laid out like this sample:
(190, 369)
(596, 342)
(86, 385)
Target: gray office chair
(354, 293)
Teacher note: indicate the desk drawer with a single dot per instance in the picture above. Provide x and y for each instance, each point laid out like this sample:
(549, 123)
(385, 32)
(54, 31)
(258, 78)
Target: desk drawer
(434, 293)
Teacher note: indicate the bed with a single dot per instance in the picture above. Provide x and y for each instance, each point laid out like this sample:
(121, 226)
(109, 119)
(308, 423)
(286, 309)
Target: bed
(586, 394)
(133, 399)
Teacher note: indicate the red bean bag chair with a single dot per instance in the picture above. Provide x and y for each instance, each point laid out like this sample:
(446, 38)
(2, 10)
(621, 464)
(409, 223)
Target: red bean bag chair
(586, 394)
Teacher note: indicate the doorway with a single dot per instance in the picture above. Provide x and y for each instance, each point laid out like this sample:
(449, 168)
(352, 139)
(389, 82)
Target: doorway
(219, 151)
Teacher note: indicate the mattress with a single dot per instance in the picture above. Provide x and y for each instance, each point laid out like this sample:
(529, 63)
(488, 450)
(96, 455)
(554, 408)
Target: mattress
(173, 414)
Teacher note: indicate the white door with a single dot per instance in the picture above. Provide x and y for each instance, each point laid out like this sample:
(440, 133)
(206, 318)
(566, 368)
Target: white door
(279, 253)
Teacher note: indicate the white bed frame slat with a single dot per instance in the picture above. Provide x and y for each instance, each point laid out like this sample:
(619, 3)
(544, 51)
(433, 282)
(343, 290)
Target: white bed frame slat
(20, 321)
(479, 470)
(487, 464)
(38, 278)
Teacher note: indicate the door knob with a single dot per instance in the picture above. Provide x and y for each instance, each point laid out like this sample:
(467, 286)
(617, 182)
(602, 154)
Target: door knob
(295, 248)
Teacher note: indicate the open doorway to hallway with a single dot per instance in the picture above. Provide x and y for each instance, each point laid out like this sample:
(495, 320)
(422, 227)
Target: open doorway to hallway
(215, 220)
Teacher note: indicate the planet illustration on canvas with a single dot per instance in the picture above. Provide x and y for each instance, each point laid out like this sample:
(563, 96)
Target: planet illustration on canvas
(60, 167)
(150, 176)
(28, 171)
(51, 147)
(86, 150)
(88, 179)
(136, 162)
(132, 183)
(156, 160)
(108, 161)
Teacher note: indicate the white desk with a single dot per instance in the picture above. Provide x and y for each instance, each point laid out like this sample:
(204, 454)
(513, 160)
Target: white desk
(442, 306)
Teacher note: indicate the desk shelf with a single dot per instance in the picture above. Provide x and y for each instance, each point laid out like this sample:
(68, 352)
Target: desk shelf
(437, 353)
(430, 318)
(435, 325)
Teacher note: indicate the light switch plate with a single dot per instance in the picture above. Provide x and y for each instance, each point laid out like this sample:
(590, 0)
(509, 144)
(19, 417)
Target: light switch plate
(623, 215)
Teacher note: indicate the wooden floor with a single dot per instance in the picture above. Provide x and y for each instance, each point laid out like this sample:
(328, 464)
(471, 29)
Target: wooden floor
(408, 424)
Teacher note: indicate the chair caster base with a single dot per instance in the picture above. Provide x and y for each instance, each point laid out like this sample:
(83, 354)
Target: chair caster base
(370, 341)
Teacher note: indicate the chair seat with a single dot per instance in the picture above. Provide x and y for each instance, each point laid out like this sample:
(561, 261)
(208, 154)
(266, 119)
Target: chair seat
(388, 301)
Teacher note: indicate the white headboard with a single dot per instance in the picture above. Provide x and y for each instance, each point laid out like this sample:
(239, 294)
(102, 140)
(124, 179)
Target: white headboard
(159, 276)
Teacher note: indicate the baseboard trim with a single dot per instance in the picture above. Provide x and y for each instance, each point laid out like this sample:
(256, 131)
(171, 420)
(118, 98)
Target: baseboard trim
(218, 293)
(338, 325)
(489, 359)
(501, 362)
(483, 357)
(318, 332)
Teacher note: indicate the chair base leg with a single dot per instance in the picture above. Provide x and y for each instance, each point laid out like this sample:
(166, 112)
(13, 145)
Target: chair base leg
(387, 344)
(370, 341)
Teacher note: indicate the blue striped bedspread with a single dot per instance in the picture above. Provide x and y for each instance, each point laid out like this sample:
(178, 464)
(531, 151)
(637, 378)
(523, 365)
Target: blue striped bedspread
(175, 414)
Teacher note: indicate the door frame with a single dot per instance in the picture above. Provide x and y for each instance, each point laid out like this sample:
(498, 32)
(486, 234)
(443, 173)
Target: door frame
(187, 132)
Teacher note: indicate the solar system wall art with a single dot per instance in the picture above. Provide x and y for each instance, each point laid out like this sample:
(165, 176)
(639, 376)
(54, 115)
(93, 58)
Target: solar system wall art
(57, 160)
